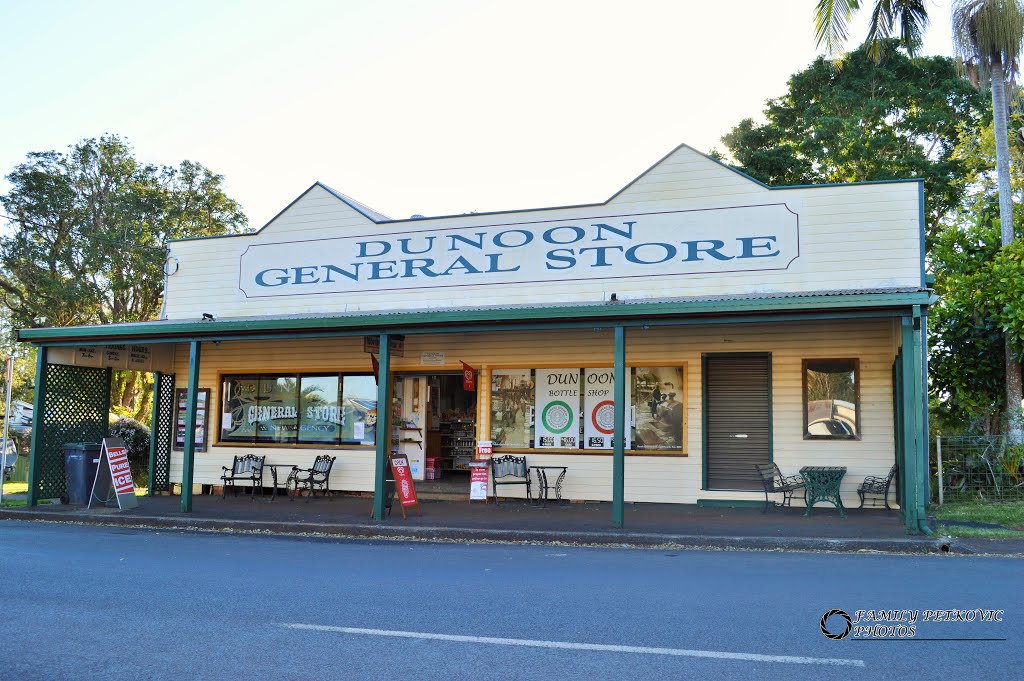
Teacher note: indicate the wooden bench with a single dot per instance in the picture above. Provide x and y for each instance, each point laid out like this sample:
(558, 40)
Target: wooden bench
(774, 482)
(247, 468)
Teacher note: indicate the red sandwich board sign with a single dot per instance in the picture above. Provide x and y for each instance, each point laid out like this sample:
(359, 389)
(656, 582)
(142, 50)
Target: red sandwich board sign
(114, 476)
(403, 483)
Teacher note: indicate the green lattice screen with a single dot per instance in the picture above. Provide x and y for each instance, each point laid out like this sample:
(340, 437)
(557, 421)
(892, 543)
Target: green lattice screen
(75, 406)
(163, 393)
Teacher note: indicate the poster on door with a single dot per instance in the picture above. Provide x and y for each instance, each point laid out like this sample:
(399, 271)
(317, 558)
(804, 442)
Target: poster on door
(599, 409)
(558, 406)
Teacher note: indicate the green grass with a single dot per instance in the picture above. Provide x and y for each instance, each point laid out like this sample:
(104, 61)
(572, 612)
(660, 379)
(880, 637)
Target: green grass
(1007, 513)
(15, 488)
(984, 532)
(1008, 516)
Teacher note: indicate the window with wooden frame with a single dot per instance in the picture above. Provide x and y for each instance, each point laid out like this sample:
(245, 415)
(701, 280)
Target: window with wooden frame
(324, 409)
(831, 399)
(571, 409)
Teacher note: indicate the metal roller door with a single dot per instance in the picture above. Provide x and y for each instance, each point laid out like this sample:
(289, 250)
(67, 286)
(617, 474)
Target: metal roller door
(737, 419)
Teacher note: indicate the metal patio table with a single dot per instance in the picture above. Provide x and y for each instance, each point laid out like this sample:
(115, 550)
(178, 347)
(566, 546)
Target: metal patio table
(542, 480)
(273, 474)
(822, 484)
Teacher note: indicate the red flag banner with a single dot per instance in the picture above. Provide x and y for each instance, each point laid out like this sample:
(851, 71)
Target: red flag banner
(468, 377)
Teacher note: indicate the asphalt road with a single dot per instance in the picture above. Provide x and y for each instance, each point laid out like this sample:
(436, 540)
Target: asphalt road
(83, 602)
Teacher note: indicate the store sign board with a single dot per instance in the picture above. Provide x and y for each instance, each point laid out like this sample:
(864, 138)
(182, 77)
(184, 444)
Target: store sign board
(119, 356)
(432, 358)
(403, 481)
(114, 476)
(478, 481)
(558, 406)
(707, 241)
(599, 409)
(371, 344)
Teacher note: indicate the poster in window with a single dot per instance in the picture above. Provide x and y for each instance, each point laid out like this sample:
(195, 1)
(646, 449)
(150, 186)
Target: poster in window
(511, 407)
(557, 405)
(599, 409)
(658, 401)
(202, 408)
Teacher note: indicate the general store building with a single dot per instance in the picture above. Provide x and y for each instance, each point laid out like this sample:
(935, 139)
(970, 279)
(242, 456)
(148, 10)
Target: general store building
(713, 321)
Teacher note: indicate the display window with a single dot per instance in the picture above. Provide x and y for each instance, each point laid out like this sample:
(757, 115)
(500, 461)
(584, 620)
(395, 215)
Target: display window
(324, 409)
(574, 409)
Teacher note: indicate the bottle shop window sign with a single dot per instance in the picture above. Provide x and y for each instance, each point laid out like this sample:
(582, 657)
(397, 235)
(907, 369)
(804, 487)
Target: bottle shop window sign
(599, 409)
(706, 241)
(557, 408)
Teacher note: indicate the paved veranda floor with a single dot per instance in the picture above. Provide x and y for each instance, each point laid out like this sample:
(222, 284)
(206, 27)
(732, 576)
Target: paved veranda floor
(668, 519)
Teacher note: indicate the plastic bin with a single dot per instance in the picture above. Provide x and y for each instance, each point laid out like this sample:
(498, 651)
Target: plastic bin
(80, 462)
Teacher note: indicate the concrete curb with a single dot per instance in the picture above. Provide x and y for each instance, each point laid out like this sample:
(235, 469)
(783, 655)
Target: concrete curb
(624, 539)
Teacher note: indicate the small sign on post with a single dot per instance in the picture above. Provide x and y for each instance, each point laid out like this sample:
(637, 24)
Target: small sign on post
(484, 448)
(114, 476)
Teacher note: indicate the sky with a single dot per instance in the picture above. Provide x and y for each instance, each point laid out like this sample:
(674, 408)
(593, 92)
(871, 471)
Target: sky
(431, 108)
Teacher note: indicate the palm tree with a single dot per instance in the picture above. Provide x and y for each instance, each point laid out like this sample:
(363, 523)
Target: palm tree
(987, 35)
(907, 17)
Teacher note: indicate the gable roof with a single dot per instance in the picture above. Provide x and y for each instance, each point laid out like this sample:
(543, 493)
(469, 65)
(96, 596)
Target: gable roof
(679, 151)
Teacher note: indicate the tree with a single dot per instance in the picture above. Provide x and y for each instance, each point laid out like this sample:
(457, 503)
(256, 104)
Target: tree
(897, 118)
(987, 35)
(908, 17)
(88, 235)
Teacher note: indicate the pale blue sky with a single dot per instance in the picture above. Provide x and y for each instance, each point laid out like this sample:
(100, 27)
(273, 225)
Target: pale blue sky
(411, 107)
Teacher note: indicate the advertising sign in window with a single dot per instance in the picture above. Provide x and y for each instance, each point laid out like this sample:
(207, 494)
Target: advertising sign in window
(558, 406)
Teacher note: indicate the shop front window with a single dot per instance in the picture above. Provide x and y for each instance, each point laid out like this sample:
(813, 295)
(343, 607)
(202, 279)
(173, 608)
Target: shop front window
(574, 409)
(658, 408)
(320, 417)
(327, 409)
(831, 399)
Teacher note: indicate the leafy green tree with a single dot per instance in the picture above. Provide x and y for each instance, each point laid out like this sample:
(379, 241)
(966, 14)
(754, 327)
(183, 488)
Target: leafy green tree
(897, 118)
(87, 238)
(907, 18)
(988, 36)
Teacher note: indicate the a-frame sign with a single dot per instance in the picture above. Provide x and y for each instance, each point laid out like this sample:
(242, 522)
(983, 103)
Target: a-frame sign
(114, 476)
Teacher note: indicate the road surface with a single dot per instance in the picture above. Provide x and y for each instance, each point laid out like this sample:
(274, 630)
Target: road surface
(82, 602)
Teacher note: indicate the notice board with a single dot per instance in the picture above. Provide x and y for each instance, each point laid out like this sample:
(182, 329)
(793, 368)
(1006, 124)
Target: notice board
(180, 412)
(113, 476)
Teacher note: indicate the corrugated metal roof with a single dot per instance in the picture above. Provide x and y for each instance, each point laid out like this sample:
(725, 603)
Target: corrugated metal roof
(603, 305)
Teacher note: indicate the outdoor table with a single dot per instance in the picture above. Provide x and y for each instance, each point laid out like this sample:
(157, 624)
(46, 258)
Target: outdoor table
(542, 480)
(273, 474)
(822, 484)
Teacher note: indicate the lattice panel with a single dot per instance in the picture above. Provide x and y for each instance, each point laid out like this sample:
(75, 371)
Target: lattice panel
(163, 393)
(75, 406)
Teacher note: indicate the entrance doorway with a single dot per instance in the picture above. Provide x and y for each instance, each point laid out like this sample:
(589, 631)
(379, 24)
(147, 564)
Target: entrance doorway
(438, 430)
(737, 419)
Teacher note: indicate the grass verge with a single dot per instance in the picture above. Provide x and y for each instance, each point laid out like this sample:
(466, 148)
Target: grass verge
(1005, 519)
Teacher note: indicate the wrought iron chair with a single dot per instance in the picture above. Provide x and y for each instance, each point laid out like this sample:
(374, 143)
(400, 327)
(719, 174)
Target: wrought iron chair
(878, 486)
(774, 482)
(247, 468)
(509, 466)
(319, 476)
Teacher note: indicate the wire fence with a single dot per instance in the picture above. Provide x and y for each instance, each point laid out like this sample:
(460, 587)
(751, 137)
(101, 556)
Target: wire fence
(977, 468)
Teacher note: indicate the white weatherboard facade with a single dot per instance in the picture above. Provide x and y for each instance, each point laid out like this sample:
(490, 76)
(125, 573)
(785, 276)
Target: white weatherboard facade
(824, 238)
(688, 228)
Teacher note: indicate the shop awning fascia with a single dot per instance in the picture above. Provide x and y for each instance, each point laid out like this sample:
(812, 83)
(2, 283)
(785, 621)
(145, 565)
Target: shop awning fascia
(483, 319)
